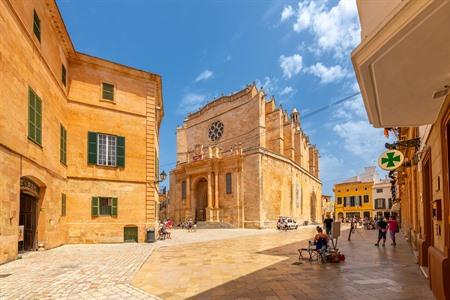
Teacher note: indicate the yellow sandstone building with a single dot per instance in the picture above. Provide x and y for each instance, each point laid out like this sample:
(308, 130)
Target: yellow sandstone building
(243, 162)
(78, 138)
(402, 67)
(354, 196)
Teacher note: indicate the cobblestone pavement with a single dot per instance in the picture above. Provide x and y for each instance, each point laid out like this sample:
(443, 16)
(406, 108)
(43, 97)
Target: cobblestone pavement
(102, 271)
(266, 266)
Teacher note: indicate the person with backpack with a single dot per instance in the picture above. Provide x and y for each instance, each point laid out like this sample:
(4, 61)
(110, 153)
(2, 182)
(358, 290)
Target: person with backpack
(381, 225)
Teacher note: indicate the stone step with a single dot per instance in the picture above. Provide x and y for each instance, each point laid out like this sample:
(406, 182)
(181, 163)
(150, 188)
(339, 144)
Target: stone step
(213, 225)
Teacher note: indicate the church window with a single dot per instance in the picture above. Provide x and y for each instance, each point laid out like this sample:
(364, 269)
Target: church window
(215, 131)
(228, 183)
(183, 190)
(37, 26)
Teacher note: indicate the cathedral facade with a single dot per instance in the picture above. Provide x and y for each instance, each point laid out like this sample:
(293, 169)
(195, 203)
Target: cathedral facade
(243, 161)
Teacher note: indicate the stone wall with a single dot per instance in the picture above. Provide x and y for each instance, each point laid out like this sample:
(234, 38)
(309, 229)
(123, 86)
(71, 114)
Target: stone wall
(135, 113)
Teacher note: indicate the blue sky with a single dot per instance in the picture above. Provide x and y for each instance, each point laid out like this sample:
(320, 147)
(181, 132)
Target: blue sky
(298, 51)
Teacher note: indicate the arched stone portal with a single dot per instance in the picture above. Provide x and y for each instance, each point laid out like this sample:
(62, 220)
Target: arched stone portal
(28, 214)
(201, 199)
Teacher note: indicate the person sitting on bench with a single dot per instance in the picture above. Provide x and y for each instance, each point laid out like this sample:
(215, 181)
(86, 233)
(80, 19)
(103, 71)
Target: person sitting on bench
(321, 239)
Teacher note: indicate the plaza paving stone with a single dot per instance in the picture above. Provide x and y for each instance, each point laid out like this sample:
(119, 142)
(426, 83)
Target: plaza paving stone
(102, 271)
(266, 266)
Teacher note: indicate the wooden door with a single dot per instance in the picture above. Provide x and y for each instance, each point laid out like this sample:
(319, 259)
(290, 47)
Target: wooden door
(27, 218)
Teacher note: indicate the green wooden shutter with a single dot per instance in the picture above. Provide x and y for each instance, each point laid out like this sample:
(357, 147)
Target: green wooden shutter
(114, 207)
(38, 120)
(92, 148)
(94, 207)
(120, 151)
(31, 115)
(108, 91)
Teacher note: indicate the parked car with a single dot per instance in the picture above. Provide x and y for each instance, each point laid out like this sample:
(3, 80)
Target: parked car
(285, 223)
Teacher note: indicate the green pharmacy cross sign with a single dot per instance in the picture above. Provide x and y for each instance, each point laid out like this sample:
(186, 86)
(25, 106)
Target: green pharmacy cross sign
(390, 160)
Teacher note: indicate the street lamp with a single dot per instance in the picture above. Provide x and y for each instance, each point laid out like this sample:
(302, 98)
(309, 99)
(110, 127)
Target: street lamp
(162, 177)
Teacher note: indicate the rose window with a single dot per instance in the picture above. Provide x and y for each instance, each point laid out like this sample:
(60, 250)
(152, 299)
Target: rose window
(215, 131)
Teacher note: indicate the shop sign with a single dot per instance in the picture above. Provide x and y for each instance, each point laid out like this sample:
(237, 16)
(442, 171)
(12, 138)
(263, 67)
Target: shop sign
(391, 160)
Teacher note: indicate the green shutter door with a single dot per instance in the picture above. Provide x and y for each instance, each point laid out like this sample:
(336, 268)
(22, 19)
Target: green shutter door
(120, 151)
(114, 207)
(94, 207)
(92, 148)
(130, 234)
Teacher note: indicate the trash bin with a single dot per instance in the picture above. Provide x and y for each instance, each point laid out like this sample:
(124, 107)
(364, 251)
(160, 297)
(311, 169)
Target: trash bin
(150, 235)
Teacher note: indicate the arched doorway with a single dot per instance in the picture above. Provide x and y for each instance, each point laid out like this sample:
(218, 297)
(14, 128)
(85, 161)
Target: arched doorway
(201, 199)
(28, 215)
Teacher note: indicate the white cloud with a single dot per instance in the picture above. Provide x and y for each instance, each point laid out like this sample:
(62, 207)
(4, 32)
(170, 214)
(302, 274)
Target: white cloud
(269, 85)
(360, 138)
(287, 13)
(332, 168)
(327, 74)
(287, 90)
(352, 109)
(334, 29)
(206, 74)
(191, 102)
(228, 58)
(291, 65)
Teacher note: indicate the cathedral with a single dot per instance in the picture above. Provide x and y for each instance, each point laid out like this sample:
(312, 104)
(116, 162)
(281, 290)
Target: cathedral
(242, 161)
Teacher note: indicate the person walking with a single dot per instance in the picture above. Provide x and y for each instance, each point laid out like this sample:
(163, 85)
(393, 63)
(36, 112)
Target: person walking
(381, 225)
(393, 228)
(328, 224)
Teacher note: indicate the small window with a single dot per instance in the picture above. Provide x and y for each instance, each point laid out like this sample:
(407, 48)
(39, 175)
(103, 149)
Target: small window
(352, 200)
(108, 91)
(366, 198)
(63, 145)
(63, 205)
(380, 203)
(34, 117)
(228, 183)
(63, 75)
(37, 26)
(339, 200)
(183, 189)
(379, 191)
(104, 206)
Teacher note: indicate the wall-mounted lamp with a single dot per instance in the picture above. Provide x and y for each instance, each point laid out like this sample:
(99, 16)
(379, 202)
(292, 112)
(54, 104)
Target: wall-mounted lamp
(162, 177)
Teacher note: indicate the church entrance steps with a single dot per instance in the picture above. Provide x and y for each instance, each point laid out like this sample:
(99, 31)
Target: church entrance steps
(213, 225)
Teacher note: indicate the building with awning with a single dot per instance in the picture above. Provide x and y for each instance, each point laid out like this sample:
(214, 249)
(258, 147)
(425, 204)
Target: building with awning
(403, 70)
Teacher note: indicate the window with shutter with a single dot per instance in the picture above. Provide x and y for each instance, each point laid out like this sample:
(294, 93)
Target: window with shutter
(34, 117)
(92, 148)
(37, 26)
(114, 207)
(95, 207)
(107, 91)
(63, 205)
(120, 151)
(63, 145)
(228, 183)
